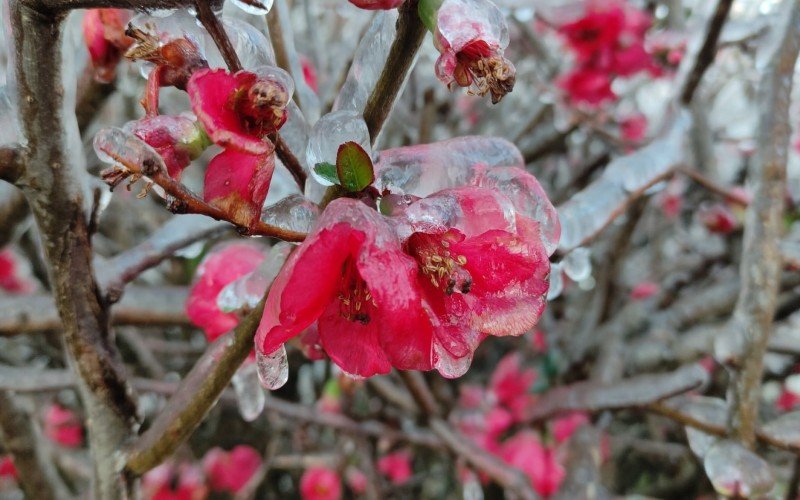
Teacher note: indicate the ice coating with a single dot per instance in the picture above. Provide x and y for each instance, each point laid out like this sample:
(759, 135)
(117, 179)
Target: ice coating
(785, 429)
(295, 132)
(461, 21)
(577, 264)
(736, 471)
(273, 368)
(245, 292)
(709, 410)
(294, 213)
(249, 394)
(330, 132)
(118, 147)
(448, 365)
(556, 282)
(9, 128)
(254, 7)
(368, 61)
(591, 209)
(426, 168)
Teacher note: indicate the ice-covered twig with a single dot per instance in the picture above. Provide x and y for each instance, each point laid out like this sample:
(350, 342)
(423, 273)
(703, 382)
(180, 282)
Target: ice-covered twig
(627, 393)
(141, 305)
(178, 233)
(744, 343)
(37, 475)
(706, 52)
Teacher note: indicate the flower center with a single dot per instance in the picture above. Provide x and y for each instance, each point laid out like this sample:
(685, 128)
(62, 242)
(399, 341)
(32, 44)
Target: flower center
(262, 106)
(356, 303)
(436, 261)
(493, 75)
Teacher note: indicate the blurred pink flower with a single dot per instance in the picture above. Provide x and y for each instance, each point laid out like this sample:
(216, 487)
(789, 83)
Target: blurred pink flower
(63, 426)
(230, 471)
(525, 452)
(396, 466)
(320, 483)
(171, 482)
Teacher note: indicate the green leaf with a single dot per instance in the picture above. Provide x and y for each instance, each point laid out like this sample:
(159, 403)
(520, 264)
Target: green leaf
(354, 167)
(428, 12)
(327, 171)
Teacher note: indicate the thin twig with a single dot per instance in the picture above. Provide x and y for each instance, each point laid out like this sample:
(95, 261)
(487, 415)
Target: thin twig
(707, 51)
(712, 186)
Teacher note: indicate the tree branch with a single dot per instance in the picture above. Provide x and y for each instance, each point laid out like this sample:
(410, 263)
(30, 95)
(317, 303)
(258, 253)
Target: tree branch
(707, 51)
(743, 346)
(52, 184)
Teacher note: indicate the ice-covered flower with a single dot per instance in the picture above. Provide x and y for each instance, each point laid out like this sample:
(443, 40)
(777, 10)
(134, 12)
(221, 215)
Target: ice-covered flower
(12, 279)
(104, 34)
(471, 36)
(175, 58)
(351, 278)
(396, 466)
(320, 483)
(169, 481)
(376, 4)
(526, 452)
(230, 471)
(220, 267)
(63, 426)
(176, 138)
(239, 109)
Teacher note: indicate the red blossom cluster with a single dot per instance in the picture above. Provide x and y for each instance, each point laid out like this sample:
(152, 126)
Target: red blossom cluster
(12, 279)
(608, 41)
(63, 426)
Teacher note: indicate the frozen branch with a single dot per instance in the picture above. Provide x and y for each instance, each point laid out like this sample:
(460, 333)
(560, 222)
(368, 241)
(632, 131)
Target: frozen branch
(743, 346)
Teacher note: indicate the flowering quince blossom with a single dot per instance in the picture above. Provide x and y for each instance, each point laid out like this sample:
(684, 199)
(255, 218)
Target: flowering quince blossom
(63, 426)
(633, 128)
(230, 471)
(376, 4)
(7, 468)
(10, 279)
(169, 481)
(564, 427)
(718, 219)
(471, 36)
(789, 398)
(356, 480)
(396, 466)
(176, 138)
(104, 34)
(510, 384)
(220, 268)
(320, 483)
(526, 452)
(237, 111)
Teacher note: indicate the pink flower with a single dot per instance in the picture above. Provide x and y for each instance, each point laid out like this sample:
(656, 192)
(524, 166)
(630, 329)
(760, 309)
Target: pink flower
(471, 36)
(175, 59)
(376, 4)
(230, 471)
(356, 480)
(351, 278)
(104, 34)
(63, 426)
(644, 290)
(239, 109)
(633, 128)
(597, 31)
(525, 452)
(7, 468)
(10, 279)
(396, 466)
(587, 85)
(511, 384)
(564, 427)
(171, 482)
(788, 400)
(175, 138)
(220, 267)
(238, 183)
(320, 483)
(718, 218)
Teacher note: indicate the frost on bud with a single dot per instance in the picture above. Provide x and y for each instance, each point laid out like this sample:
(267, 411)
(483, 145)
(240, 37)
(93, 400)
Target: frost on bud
(104, 34)
(471, 36)
(239, 109)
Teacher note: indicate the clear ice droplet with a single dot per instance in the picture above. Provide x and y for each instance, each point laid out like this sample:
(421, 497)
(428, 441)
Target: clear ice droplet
(273, 368)
(577, 264)
(249, 393)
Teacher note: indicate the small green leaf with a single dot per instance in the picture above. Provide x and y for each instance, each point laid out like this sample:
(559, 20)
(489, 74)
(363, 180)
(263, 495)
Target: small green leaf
(428, 12)
(327, 171)
(354, 167)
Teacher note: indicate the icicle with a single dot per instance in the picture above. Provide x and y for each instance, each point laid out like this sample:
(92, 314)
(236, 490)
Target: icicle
(577, 264)
(273, 368)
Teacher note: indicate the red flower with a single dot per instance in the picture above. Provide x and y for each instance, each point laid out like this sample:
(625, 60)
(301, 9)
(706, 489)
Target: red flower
(377, 4)
(238, 183)
(63, 426)
(176, 138)
(788, 400)
(218, 269)
(718, 218)
(597, 31)
(511, 384)
(564, 427)
(634, 127)
(482, 270)
(587, 85)
(7, 468)
(10, 279)
(171, 482)
(471, 36)
(351, 278)
(238, 110)
(525, 452)
(230, 470)
(320, 483)
(396, 466)
(104, 34)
